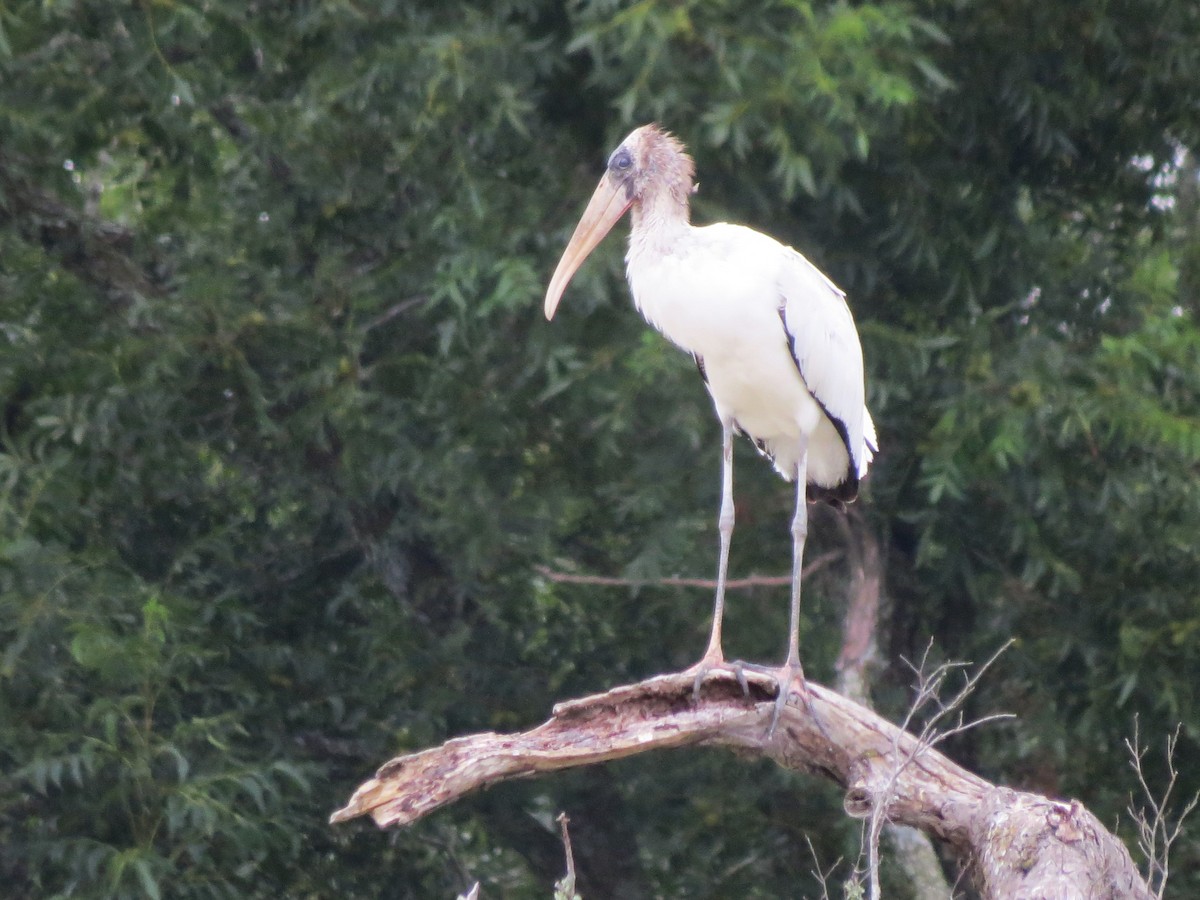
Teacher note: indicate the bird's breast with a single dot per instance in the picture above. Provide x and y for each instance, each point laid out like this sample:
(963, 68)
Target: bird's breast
(705, 295)
(722, 304)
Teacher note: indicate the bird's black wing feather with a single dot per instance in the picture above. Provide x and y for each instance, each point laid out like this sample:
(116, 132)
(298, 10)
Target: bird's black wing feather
(846, 490)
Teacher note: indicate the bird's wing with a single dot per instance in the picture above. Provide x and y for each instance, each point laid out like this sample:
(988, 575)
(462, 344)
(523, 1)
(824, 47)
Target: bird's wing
(825, 346)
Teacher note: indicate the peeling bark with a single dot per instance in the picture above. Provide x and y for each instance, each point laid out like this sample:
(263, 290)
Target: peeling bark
(1016, 845)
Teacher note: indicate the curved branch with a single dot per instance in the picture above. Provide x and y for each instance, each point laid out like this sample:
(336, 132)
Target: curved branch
(1018, 845)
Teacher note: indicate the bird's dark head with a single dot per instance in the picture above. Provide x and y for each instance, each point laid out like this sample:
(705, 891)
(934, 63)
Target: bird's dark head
(650, 168)
(651, 160)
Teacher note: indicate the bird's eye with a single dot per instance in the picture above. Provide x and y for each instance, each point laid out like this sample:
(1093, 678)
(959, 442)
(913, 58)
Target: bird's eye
(621, 161)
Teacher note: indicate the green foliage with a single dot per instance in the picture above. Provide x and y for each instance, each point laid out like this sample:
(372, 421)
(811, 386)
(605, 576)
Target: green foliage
(806, 87)
(285, 440)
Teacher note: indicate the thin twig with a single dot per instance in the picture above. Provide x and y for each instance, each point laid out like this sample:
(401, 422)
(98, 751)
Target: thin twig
(822, 877)
(394, 310)
(912, 849)
(928, 691)
(563, 821)
(1156, 833)
(565, 887)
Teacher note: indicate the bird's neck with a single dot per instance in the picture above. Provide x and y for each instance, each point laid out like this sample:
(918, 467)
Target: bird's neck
(658, 220)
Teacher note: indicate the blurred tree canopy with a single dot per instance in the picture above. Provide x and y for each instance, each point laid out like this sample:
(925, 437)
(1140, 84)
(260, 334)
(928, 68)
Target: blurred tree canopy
(285, 438)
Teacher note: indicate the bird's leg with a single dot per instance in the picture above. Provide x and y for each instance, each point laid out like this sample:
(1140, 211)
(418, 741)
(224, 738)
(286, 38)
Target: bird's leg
(713, 655)
(791, 671)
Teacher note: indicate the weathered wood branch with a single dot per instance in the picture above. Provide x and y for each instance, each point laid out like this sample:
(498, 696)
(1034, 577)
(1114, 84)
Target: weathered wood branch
(1016, 845)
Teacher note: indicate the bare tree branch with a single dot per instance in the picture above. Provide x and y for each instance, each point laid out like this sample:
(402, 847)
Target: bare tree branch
(1018, 845)
(750, 581)
(396, 309)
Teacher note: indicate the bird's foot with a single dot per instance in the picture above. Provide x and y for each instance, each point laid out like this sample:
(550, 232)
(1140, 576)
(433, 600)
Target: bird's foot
(714, 663)
(790, 679)
(789, 675)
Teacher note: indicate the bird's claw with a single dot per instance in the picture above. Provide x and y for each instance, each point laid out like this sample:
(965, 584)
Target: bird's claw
(781, 702)
(739, 672)
(744, 666)
(790, 675)
(705, 667)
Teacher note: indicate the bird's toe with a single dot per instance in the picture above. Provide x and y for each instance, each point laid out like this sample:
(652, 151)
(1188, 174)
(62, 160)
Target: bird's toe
(790, 678)
(708, 666)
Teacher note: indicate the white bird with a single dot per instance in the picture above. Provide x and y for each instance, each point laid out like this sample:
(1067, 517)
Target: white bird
(772, 336)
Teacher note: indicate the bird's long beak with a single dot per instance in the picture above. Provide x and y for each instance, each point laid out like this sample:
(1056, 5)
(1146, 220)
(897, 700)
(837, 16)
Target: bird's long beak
(607, 205)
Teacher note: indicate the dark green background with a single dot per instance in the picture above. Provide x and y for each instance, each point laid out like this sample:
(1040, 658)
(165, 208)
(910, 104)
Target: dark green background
(285, 436)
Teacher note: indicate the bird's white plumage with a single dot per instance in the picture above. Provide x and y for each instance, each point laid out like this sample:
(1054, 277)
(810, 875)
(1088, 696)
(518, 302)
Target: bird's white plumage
(774, 338)
(742, 302)
(827, 351)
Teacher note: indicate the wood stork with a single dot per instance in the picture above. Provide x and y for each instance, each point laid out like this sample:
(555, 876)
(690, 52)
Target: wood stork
(772, 336)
